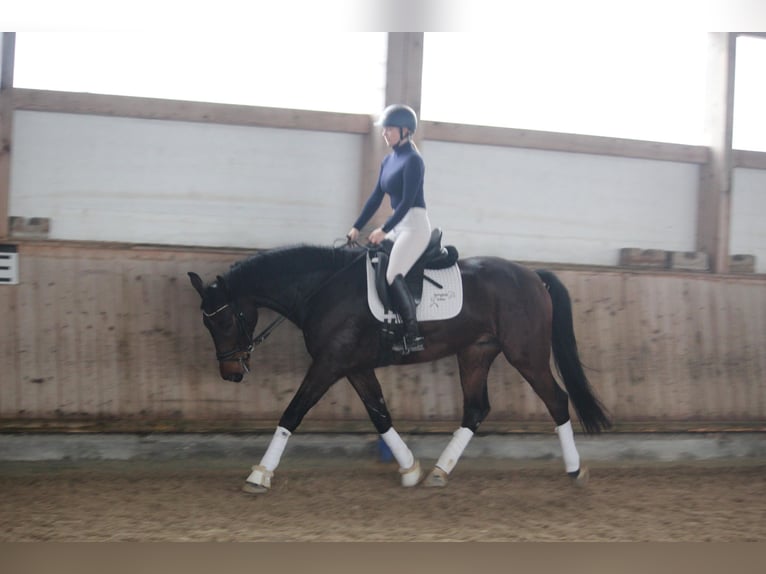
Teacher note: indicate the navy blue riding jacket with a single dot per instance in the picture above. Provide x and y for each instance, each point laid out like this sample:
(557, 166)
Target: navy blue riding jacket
(401, 177)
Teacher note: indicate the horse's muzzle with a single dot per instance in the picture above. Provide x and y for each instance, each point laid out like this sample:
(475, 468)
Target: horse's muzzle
(234, 369)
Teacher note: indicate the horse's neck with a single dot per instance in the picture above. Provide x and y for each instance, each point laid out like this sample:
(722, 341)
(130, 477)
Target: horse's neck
(289, 296)
(288, 289)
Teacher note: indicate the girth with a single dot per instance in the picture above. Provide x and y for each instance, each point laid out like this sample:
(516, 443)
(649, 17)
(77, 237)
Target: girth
(434, 257)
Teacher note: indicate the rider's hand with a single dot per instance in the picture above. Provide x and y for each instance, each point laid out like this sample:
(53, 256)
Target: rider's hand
(377, 236)
(352, 235)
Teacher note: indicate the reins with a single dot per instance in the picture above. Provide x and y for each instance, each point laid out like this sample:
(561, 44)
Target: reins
(258, 339)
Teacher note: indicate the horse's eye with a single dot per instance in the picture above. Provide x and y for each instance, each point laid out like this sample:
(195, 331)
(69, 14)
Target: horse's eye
(221, 322)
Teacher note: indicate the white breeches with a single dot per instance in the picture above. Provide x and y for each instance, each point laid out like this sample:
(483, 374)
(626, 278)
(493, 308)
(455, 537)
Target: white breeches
(410, 239)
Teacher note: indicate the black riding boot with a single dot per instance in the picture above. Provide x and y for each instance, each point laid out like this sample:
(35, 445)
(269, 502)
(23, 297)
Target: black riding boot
(404, 305)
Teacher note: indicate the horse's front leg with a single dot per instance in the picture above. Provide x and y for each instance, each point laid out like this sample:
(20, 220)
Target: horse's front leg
(474, 363)
(367, 386)
(315, 384)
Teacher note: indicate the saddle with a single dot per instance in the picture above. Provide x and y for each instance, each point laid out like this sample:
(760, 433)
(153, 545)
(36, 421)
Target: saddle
(434, 257)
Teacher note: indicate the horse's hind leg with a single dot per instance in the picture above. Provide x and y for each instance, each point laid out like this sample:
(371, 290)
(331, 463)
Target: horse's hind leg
(366, 385)
(474, 363)
(556, 401)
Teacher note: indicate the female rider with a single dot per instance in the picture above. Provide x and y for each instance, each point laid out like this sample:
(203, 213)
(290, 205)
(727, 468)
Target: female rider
(401, 178)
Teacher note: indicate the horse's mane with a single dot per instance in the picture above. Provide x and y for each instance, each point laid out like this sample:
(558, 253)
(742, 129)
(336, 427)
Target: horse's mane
(286, 261)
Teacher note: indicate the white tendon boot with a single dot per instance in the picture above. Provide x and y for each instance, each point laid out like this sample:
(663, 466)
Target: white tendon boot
(571, 456)
(259, 480)
(409, 468)
(448, 459)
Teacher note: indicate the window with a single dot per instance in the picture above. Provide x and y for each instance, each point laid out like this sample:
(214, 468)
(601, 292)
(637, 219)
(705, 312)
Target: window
(342, 72)
(627, 84)
(750, 94)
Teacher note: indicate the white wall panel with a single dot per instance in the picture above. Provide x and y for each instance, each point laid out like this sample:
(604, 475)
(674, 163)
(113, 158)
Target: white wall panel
(534, 205)
(186, 183)
(151, 181)
(748, 215)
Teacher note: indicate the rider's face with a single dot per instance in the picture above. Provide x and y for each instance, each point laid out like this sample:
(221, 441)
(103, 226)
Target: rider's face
(392, 136)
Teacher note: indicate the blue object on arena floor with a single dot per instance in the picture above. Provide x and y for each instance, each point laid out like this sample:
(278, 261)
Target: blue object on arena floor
(384, 453)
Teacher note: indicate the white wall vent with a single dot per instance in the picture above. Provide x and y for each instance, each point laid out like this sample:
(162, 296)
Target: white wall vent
(9, 265)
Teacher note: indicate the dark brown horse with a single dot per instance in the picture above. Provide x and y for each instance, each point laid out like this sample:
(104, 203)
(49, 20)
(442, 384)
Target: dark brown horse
(507, 309)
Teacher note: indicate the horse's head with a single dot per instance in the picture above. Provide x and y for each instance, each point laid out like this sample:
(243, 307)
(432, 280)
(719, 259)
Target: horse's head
(231, 324)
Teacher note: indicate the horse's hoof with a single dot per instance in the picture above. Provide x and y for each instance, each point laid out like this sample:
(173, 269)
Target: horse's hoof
(259, 480)
(411, 476)
(437, 478)
(581, 476)
(252, 488)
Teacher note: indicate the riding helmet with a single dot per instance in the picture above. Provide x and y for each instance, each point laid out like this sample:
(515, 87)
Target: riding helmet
(399, 115)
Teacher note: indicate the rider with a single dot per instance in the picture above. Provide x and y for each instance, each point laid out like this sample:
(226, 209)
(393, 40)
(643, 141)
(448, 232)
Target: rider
(401, 177)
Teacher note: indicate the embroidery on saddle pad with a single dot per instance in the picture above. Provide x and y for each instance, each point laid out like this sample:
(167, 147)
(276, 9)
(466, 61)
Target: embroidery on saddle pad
(442, 295)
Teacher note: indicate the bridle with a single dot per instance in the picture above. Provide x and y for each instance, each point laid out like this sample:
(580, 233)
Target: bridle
(241, 353)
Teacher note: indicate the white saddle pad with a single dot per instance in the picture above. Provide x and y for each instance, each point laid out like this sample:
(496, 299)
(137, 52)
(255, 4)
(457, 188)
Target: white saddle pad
(437, 303)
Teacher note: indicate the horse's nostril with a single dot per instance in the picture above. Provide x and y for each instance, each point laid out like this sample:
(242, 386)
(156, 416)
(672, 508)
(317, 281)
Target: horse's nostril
(233, 377)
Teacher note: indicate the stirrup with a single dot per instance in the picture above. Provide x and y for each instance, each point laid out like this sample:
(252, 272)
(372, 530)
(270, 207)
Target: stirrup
(409, 344)
(414, 344)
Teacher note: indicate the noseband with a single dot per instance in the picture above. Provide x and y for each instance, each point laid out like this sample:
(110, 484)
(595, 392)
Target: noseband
(242, 353)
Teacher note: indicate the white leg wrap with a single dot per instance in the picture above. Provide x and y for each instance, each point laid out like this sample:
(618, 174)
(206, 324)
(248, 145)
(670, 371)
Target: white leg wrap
(566, 438)
(401, 452)
(270, 460)
(460, 439)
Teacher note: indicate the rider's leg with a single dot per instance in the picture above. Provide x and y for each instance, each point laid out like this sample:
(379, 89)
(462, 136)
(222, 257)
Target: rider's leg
(410, 238)
(404, 305)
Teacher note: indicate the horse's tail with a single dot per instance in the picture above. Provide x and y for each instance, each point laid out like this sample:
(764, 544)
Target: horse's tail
(589, 409)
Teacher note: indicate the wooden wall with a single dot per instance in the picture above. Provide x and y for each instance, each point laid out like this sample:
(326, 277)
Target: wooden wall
(109, 336)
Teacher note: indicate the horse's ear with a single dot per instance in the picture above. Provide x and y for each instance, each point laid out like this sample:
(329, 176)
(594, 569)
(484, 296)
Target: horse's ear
(197, 283)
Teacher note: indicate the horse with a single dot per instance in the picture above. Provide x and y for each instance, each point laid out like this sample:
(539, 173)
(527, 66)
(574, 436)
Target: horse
(507, 308)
